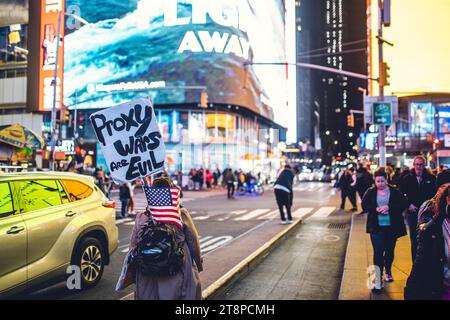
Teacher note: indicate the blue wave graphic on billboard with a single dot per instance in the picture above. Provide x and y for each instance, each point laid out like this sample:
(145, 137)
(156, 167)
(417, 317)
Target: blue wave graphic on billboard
(133, 48)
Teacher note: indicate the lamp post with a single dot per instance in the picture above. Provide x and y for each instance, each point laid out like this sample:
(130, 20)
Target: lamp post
(55, 78)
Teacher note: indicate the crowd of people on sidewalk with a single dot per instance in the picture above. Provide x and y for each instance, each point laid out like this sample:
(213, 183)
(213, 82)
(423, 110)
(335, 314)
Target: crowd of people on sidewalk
(417, 198)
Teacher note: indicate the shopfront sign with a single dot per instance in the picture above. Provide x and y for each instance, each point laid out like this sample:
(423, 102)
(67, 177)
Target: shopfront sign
(130, 140)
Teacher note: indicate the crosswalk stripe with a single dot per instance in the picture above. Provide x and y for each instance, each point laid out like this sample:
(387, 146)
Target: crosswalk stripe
(301, 212)
(323, 212)
(269, 215)
(252, 214)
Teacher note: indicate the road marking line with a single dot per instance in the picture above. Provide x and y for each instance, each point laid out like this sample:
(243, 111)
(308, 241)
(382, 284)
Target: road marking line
(202, 239)
(215, 243)
(323, 212)
(200, 218)
(252, 214)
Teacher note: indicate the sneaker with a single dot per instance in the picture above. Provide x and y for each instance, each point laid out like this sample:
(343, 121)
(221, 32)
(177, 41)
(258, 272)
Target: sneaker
(290, 222)
(283, 222)
(377, 287)
(354, 209)
(388, 277)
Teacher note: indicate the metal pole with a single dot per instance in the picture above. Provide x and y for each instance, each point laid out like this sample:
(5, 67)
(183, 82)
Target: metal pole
(55, 78)
(382, 128)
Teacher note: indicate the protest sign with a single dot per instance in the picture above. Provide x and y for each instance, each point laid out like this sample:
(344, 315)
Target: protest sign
(130, 140)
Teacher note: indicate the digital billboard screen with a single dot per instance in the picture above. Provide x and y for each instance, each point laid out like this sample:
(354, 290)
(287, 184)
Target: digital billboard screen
(162, 48)
(421, 118)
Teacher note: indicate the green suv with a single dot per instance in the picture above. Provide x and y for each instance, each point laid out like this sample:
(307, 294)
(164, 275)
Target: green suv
(48, 222)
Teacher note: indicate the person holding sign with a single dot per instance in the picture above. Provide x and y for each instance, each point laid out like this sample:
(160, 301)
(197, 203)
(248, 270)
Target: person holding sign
(184, 284)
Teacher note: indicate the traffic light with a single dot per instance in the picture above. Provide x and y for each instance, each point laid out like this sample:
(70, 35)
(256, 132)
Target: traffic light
(204, 99)
(66, 115)
(384, 74)
(351, 120)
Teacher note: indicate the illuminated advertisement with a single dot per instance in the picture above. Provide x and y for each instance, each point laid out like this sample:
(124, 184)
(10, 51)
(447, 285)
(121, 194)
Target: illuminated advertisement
(444, 121)
(170, 49)
(421, 118)
(48, 56)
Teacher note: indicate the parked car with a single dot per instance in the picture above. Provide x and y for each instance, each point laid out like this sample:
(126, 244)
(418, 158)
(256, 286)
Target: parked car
(49, 221)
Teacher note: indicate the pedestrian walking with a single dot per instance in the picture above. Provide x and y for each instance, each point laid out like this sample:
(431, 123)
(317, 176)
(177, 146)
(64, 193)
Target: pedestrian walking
(208, 178)
(364, 181)
(430, 274)
(346, 183)
(216, 176)
(124, 196)
(229, 178)
(418, 186)
(184, 284)
(284, 194)
(130, 206)
(384, 205)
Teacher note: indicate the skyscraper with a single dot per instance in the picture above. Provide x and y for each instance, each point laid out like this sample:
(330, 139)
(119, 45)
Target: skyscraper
(331, 33)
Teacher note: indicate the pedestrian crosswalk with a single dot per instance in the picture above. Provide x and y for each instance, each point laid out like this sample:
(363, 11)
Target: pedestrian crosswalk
(256, 214)
(264, 214)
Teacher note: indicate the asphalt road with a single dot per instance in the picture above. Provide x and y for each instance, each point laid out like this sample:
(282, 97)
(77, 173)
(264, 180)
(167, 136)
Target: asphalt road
(218, 221)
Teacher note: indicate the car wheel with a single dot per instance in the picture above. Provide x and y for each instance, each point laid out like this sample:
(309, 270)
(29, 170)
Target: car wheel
(89, 257)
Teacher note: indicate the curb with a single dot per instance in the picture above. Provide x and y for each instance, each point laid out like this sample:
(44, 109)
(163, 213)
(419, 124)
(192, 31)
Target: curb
(346, 257)
(216, 289)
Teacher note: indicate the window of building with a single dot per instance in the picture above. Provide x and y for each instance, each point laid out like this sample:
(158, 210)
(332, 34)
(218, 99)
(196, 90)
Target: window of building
(39, 194)
(6, 203)
(77, 190)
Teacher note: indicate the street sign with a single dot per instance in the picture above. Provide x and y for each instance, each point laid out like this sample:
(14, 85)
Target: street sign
(368, 107)
(130, 140)
(382, 113)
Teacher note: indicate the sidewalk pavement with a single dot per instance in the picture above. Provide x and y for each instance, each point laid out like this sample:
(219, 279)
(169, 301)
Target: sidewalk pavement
(227, 264)
(359, 257)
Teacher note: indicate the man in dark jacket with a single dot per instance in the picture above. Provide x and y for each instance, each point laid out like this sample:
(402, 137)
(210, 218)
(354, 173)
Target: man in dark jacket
(418, 187)
(284, 194)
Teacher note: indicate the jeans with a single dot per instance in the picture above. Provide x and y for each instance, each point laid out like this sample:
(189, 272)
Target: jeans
(124, 207)
(284, 199)
(383, 250)
(411, 218)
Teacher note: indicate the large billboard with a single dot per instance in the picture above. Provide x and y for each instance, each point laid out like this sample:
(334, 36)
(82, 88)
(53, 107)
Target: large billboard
(170, 49)
(46, 55)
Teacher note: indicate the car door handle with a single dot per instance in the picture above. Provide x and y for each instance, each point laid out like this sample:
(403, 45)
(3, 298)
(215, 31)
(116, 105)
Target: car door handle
(70, 214)
(15, 230)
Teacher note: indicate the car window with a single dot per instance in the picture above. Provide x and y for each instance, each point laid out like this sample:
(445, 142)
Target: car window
(77, 190)
(63, 193)
(6, 203)
(39, 194)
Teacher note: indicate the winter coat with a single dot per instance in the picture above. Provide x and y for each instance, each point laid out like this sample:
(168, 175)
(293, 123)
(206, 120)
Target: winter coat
(397, 204)
(364, 180)
(185, 285)
(426, 281)
(415, 193)
(286, 179)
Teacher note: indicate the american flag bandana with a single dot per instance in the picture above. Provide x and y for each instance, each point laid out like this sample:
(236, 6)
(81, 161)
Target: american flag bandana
(164, 204)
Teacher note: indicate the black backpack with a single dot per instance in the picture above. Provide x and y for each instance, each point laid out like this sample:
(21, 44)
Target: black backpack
(158, 252)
